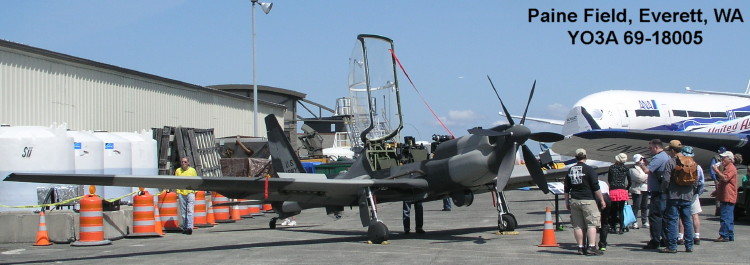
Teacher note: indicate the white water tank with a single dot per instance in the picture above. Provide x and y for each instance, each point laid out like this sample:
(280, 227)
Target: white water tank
(145, 160)
(31, 149)
(117, 160)
(88, 152)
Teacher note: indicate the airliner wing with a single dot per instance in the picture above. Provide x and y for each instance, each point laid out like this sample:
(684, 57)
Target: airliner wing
(605, 144)
(542, 120)
(309, 188)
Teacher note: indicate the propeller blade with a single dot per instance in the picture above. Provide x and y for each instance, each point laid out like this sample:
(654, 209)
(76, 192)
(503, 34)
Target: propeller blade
(535, 169)
(507, 114)
(546, 137)
(487, 132)
(523, 118)
(506, 167)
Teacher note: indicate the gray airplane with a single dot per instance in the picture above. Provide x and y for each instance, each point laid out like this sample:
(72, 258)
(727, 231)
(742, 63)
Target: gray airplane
(460, 168)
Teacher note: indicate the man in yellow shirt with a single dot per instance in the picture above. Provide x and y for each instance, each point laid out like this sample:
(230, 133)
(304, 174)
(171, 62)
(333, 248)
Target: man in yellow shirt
(187, 197)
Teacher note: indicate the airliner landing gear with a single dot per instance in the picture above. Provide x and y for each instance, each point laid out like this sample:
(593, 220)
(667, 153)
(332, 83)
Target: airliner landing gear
(505, 221)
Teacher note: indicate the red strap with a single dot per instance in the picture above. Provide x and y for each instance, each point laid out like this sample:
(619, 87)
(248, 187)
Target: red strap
(420, 94)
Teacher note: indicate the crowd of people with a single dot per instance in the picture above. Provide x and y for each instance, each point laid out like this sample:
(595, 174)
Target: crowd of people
(664, 194)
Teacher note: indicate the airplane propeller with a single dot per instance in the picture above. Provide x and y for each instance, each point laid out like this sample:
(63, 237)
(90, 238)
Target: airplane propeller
(518, 134)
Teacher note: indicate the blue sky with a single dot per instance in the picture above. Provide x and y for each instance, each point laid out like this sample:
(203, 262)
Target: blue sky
(448, 48)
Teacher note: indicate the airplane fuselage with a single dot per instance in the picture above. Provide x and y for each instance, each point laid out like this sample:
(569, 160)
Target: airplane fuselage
(623, 109)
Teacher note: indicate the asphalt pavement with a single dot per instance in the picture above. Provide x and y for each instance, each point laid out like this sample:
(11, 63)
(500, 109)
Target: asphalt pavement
(465, 235)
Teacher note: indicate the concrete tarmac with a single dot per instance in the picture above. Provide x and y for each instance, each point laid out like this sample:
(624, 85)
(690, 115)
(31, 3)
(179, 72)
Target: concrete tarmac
(465, 235)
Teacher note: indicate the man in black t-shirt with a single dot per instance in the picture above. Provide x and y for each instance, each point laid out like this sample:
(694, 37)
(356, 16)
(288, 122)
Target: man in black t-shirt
(581, 188)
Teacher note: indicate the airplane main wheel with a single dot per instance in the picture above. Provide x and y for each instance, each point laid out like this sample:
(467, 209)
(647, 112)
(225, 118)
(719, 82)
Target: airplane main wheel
(272, 223)
(377, 233)
(507, 223)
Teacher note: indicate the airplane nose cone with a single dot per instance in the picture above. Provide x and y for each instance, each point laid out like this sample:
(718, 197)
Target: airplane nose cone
(519, 133)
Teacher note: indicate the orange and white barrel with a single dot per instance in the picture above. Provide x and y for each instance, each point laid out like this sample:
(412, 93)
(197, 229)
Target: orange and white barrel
(91, 221)
(200, 215)
(255, 209)
(143, 215)
(221, 213)
(267, 208)
(244, 210)
(168, 211)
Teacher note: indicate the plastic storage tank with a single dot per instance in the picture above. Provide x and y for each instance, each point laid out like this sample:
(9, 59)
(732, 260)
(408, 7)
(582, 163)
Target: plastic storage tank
(145, 160)
(88, 151)
(117, 158)
(31, 149)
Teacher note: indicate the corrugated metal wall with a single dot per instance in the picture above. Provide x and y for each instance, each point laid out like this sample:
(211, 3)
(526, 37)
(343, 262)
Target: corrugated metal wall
(35, 90)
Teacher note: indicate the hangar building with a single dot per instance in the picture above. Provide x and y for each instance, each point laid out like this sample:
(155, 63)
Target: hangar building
(40, 87)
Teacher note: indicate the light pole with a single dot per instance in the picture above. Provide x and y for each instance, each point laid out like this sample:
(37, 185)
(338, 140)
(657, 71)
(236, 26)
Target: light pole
(266, 7)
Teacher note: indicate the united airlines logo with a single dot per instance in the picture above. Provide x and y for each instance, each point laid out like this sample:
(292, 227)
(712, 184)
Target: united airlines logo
(576, 175)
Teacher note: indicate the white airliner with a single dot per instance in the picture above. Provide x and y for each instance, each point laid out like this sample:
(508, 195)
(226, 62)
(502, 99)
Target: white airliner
(609, 122)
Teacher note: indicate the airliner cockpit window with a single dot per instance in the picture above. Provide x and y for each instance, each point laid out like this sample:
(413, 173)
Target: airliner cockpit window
(718, 114)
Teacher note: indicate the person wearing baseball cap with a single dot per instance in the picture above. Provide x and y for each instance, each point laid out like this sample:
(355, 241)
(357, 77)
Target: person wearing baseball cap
(581, 190)
(695, 207)
(726, 193)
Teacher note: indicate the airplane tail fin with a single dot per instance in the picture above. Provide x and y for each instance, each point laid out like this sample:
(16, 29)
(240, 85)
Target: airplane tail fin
(283, 157)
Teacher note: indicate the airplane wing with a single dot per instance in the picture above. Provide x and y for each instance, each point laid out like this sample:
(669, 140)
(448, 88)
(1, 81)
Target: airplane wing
(542, 120)
(605, 144)
(300, 187)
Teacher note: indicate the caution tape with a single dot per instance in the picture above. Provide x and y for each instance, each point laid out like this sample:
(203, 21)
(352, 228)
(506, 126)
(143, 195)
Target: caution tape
(123, 196)
(44, 205)
(65, 202)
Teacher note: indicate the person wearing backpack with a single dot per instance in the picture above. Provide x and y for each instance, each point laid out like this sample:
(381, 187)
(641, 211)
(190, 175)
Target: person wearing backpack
(678, 173)
(695, 208)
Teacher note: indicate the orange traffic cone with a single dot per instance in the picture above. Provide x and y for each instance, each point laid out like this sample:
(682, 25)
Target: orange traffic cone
(157, 222)
(548, 237)
(235, 212)
(210, 215)
(42, 238)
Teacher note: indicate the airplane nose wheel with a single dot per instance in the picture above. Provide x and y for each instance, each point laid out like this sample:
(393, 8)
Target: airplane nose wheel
(377, 233)
(507, 223)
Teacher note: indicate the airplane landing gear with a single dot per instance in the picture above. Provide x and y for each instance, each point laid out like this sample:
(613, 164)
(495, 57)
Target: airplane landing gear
(377, 232)
(272, 223)
(505, 221)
